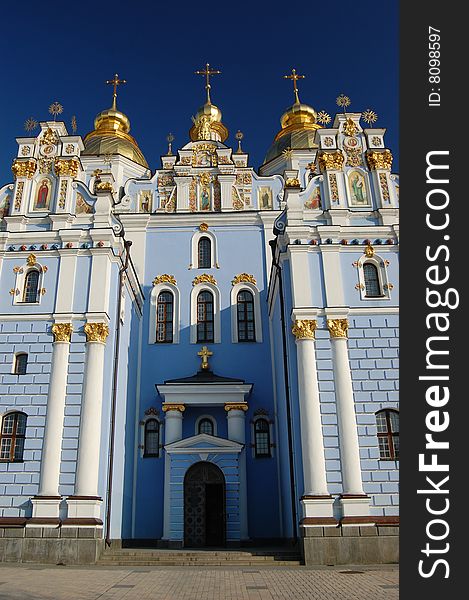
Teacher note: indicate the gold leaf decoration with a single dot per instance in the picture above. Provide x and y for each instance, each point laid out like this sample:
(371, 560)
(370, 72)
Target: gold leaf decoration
(165, 278)
(204, 278)
(244, 277)
(337, 327)
(304, 329)
(96, 332)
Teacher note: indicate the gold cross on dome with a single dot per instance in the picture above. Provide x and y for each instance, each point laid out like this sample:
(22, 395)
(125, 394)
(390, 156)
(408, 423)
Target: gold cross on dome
(204, 354)
(207, 72)
(294, 77)
(115, 82)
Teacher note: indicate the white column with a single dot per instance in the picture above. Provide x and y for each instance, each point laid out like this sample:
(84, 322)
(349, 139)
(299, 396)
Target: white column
(235, 414)
(173, 422)
(85, 502)
(316, 500)
(48, 505)
(347, 422)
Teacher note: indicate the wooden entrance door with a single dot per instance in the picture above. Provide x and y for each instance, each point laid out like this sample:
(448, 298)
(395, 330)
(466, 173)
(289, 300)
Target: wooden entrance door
(204, 506)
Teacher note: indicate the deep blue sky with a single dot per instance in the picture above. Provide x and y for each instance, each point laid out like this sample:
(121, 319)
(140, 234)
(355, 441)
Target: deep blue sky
(65, 52)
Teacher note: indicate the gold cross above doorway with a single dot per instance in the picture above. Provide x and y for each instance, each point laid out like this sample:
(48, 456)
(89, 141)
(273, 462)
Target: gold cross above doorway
(204, 354)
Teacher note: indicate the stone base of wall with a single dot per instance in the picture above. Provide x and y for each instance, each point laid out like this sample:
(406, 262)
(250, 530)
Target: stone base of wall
(51, 545)
(351, 544)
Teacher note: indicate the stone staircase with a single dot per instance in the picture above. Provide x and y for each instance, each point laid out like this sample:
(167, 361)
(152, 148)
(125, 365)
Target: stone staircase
(129, 557)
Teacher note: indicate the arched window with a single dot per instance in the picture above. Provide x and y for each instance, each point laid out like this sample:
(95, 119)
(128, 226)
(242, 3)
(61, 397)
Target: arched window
(205, 317)
(387, 423)
(12, 437)
(370, 275)
(31, 283)
(246, 324)
(164, 318)
(206, 426)
(204, 253)
(21, 363)
(151, 445)
(262, 438)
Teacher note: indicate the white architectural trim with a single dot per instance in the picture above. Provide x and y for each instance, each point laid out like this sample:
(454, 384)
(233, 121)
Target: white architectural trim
(210, 287)
(20, 281)
(212, 419)
(195, 247)
(209, 394)
(142, 425)
(212, 446)
(234, 310)
(156, 291)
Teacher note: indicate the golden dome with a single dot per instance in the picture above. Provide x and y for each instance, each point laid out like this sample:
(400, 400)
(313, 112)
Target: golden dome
(299, 116)
(207, 124)
(111, 136)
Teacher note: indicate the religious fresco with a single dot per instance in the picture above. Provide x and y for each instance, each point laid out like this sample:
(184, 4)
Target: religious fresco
(82, 207)
(145, 202)
(314, 201)
(5, 206)
(264, 196)
(43, 194)
(357, 189)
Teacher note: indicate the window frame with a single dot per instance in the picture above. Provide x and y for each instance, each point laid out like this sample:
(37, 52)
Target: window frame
(368, 264)
(13, 436)
(168, 324)
(194, 262)
(389, 434)
(250, 287)
(205, 420)
(244, 303)
(211, 340)
(157, 289)
(208, 262)
(255, 422)
(196, 290)
(147, 421)
(16, 363)
(381, 269)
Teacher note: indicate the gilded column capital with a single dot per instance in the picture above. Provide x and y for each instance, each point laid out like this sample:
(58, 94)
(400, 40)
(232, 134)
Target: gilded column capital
(379, 159)
(331, 160)
(337, 327)
(24, 168)
(62, 332)
(96, 332)
(66, 167)
(167, 406)
(304, 329)
(236, 406)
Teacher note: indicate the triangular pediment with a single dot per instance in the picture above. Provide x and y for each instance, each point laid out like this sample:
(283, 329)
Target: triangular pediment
(204, 443)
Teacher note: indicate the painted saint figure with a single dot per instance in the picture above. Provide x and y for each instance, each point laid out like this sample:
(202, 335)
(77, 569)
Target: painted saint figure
(358, 190)
(42, 195)
(205, 204)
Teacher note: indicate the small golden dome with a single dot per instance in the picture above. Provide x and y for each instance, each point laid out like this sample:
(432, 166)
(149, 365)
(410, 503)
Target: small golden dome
(210, 110)
(298, 116)
(111, 136)
(207, 124)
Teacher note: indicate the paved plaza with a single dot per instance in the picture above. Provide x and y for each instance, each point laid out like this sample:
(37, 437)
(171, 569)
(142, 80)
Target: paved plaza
(33, 582)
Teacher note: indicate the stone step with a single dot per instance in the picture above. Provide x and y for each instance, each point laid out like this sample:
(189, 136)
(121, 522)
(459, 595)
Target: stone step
(200, 563)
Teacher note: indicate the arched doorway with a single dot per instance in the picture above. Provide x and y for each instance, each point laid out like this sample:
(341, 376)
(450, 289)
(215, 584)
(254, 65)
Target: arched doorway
(204, 506)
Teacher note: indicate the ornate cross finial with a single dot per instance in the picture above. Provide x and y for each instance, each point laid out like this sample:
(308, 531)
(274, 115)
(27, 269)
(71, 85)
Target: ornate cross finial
(294, 77)
(204, 354)
(115, 82)
(239, 136)
(207, 72)
(170, 140)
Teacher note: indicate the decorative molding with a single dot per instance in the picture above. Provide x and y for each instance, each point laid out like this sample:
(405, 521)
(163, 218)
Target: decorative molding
(369, 251)
(19, 194)
(24, 168)
(67, 167)
(236, 406)
(204, 278)
(167, 406)
(334, 188)
(337, 327)
(203, 227)
(152, 411)
(384, 186)
(381, 159)
(62, 332)
(244, 277)
(31, 260)
(165, 278)
(304, 329)
(350, 129)
(331, 160)
(292, 182)
(96, 332)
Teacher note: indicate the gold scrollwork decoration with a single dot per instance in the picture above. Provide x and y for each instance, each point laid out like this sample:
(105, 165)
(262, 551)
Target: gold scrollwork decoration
(24, 168)
(369, 251)
(337, 327)
(244, 277)
(96, 332)
(292, 182)
(31, 260)
(170, 406)
(379, 159)
(350, 129)
(236, 406)
(103, 186)
(165, 278)
(203, 227)
(331, 160)
(62, 332)
(204, 278)
(66, 167)
(304, 329)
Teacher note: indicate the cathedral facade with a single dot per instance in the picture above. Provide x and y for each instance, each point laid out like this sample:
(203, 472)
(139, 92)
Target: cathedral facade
(204, 355)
